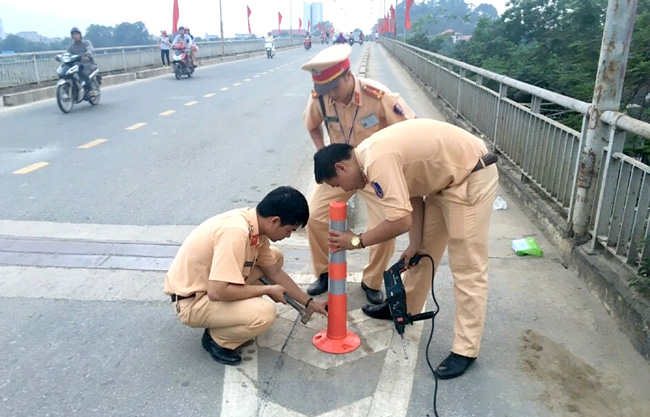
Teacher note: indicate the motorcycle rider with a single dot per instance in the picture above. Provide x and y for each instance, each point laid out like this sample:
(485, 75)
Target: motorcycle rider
(308, 39)
(269, 38)
(187, 42)
(83, 47)
(193, 48)
(340, 38)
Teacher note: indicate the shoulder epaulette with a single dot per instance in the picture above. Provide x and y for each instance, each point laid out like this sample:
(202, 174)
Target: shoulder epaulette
(314, 94)
(375, 92)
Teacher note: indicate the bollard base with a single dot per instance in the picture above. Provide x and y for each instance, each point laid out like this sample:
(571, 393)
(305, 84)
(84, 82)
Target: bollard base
(349, 343)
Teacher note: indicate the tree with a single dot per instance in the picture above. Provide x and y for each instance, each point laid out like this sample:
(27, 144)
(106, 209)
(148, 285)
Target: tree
(14, 43)
(100, 36)
(127, 34)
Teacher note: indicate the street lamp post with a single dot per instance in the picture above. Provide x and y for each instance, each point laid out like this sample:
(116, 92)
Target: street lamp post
(221, 25)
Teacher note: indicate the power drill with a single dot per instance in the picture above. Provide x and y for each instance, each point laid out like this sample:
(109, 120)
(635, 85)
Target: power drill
(396, 297)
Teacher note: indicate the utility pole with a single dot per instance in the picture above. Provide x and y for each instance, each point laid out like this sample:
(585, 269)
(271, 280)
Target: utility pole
(614, 51)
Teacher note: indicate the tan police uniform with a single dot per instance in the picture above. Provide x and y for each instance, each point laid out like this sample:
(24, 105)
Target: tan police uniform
(434, 160)
(372, 108)
(228, 248)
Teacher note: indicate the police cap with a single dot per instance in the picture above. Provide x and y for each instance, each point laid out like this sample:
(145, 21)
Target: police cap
(328, 66)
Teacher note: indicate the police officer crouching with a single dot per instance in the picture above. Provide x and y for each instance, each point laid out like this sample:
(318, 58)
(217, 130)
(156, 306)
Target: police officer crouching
(214, 283)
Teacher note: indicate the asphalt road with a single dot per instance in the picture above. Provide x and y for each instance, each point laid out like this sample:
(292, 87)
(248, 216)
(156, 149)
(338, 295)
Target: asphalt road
(197, 146)
(84, 340)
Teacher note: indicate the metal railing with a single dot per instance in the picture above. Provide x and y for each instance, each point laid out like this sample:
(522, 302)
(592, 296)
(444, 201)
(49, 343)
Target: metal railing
(38, 67)
(545, 151)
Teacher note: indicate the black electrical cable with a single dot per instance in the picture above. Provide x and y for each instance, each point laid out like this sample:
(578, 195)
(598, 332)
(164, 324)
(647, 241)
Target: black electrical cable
(433, 322)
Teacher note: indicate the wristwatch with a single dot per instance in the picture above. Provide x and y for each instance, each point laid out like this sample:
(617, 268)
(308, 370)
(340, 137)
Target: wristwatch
(356, 241)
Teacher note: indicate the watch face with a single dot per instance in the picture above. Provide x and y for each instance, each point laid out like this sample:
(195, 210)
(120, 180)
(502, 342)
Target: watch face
(355, 241)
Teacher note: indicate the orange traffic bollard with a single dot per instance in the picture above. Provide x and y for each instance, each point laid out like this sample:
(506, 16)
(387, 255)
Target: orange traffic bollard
(337, 338)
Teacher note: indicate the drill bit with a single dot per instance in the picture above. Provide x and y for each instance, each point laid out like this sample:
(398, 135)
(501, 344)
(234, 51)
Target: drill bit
(406, 356)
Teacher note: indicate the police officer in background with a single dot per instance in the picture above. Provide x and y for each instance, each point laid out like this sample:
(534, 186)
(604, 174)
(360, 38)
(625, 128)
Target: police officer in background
(83, 47)
(352, 108)
(438, 182)
(213, 280)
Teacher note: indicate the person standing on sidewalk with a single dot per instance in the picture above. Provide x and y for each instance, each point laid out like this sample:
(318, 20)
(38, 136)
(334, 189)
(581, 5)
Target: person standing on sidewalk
(213, 280)
(352, 108)
(164, 43)
(438, 182)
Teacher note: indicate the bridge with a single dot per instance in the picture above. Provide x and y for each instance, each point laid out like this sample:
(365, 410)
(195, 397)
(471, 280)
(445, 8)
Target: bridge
(95, 204)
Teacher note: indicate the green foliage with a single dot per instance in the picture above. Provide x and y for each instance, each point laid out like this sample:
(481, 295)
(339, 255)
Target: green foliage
(642, 282)
(18, 44)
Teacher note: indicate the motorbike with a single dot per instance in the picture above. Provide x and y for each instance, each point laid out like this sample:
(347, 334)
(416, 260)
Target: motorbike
(351, 41)
(307, 44)
(181, 63)
(70, 88)
(360, 40)
(268, 45)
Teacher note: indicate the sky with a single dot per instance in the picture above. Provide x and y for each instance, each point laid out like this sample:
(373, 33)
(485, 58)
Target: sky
(54, 19)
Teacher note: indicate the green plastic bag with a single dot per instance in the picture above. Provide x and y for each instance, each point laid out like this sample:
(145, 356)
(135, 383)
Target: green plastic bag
(527, 246)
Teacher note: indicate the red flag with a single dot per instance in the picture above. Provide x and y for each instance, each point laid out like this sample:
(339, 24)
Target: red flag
(175, 17)
(299, 23)
(308, 25)
(279, 21)
(392, 19)
(407, 19)
(386, 24)
(248, 9)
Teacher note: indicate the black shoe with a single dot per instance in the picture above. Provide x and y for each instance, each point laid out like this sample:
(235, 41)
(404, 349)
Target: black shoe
(218, 353)
(373, 296)
(319, 286)
(455, 365)
(381, 311)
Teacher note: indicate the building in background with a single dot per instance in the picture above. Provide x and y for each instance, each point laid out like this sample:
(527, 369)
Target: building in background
(2, 31)
(312, 12)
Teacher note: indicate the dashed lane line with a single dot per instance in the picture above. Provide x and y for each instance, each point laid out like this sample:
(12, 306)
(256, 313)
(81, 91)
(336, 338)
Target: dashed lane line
(167, 113)
(247, 80)
(225, 89)
(256, 76)
(191, 103)
(236, 84)
(31, 168)
(209, 95)
(92, 143)
(135, 126)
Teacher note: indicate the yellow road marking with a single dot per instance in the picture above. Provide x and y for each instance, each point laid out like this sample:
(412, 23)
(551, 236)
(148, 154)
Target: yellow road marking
(209, 95)
(31, 168)
(167, 113)
(236, 84)
(92, 143)
(224, 89)
(135, 126)
(191, 103)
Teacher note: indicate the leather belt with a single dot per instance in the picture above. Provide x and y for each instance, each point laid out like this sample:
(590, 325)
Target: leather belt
(484, 161)
(179, 297)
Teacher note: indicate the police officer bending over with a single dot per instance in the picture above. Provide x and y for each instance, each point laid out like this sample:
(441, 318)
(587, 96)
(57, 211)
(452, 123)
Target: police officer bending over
(438, 182)
(213, 280)
(351, 108)
(83, 47)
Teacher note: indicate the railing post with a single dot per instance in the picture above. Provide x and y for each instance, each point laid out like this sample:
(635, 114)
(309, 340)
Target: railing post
(124, 58)
(503, 93)
(38, 79)
(614, 51)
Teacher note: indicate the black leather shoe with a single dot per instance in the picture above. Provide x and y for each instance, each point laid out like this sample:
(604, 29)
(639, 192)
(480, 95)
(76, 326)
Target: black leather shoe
(319, 286)
(373, 296)
(455, 365)
(381, 311)
(218, 353)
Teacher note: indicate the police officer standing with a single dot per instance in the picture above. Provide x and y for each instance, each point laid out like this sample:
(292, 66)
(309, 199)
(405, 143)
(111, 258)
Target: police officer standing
(352, 108)
(213, 280)
(438, 182)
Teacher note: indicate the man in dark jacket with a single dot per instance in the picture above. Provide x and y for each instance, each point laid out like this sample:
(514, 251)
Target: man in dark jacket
(83, 47)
